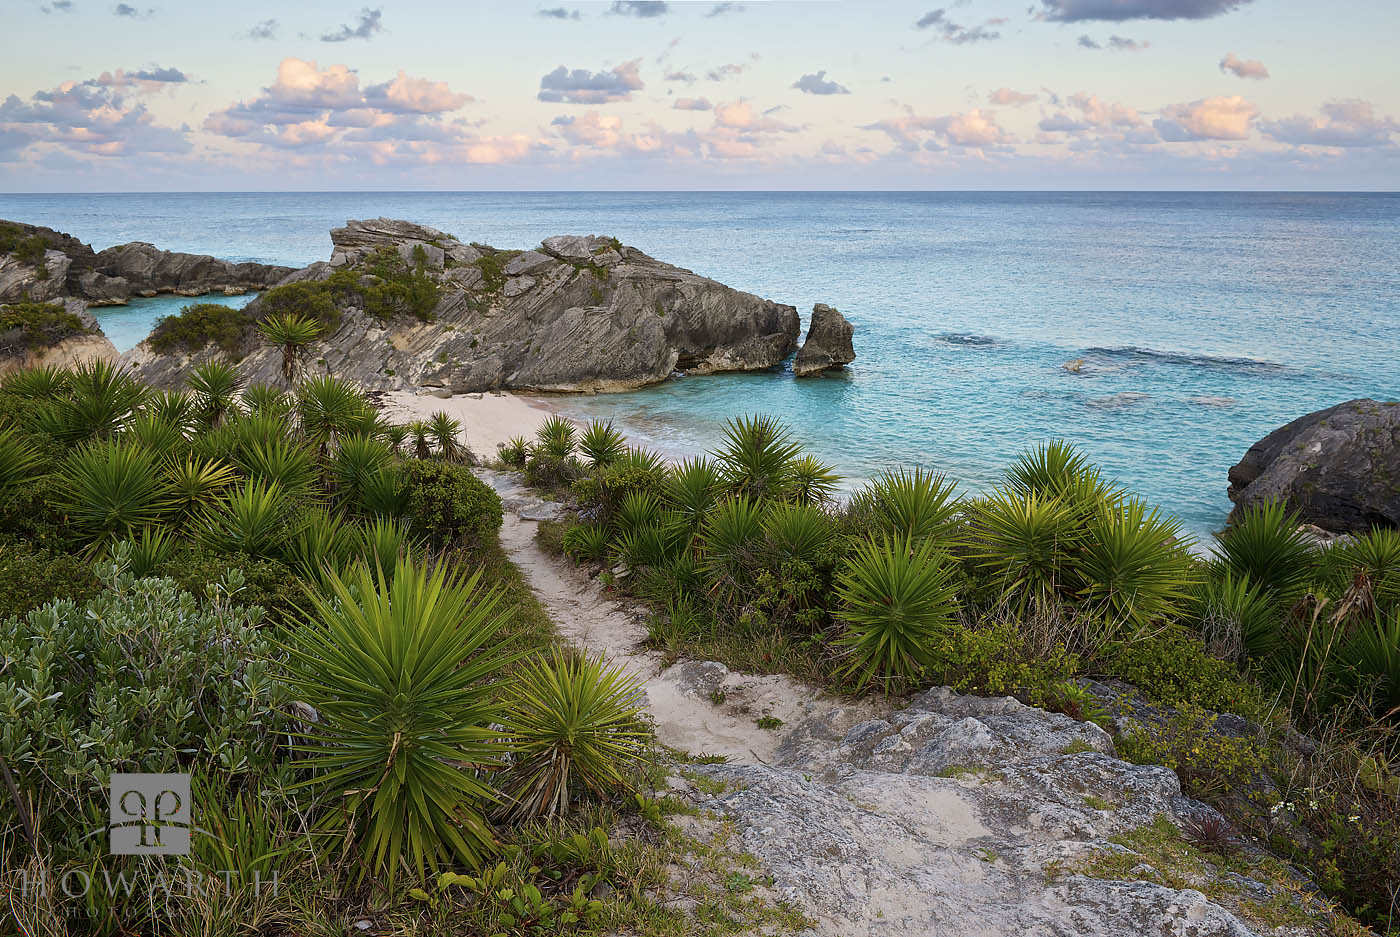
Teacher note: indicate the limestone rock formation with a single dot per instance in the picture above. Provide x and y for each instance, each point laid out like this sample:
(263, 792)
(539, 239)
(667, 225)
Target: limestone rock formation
(71, 269)
(82, 347)
(1339, 468)
(971, 816)
(577, 313)
(828, 343)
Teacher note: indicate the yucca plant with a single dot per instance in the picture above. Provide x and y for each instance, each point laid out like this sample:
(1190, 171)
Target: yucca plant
(401, 671)
(357, 460)
(799, 532)
(916, 504)
(1264, 543)
(328, 408)
(732, 536)
(19, 462)
(396, 434)
(253, 518)
(897, 600)
(811, 481)
(1024, 541)
(37, 383)
(420, 437)
(150, 547)
(756, 457)
(586, 542)
(1133, 568)
(643, 547)
(215, 385)
(1373, 652)
(385, 541)
(112, 489)
(280, 461)
(100, 399)
(641, 460)
(575, 722)
(195, 483)
(264, 398)
(382, 494)
(1364, 573)
(260, 426)
(444, 431)
(555, 439)
(291, 333)
(602, 443)
(638, 509)
(1057, 470)
(154, 434)
(514, 451)
(322, 542)
(173, 406)
(691, 490)
(1236, 620)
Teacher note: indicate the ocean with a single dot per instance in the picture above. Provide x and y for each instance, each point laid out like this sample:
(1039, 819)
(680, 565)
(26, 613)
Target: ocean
(1203, 320)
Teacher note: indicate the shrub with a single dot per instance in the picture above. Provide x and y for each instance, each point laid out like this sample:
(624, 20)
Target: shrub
(757, 457)
(142, 677)
(30, 578)
(200, 324)
(28, 326)
(305, 300)
(915, 504)
(896, 600)
(574, 721)
(399, 287)
(113, 489)
(29, 249)
(1211, 764)
(1172, 667)
(602, 443)
(400, 673)
(602, 492)
(1264, 543)
(586, 542)
(448, 504)
(994, 658)
(266, 583)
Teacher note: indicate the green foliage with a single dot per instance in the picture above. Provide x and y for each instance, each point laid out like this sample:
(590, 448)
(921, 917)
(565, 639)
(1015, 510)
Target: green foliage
(1023, 540)
(994, 658)
(917, 505)
(1134, 570)
(602, 443)
(574, 722)
(1172, 667)
(492, 264)
(28, 249)
(314, 300)
(1373, 653)
(20, 463)
(444, 431)
(691, 489)
(1209, 762)
(1237, 620)
(811, 480)
(266, 583)
(514, 451)
(100, 399)
(329, 407)
(215, 385)
(448, 504)
(1264, 543)
(897, 599)
(586, 542)
(256, 518)
(291, 333)
(29, 326)
(397, 287)
(113, 490)
(201, 324)
(30, 578)
(732, 535)
(757, 457)
(399, 671)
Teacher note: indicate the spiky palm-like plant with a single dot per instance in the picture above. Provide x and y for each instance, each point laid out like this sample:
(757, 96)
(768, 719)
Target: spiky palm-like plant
(291, 333)
(172, 406)
(39, 383)
(150, 548)
(385, 541)
(897, 599)
(100, 399)
(401, 671)
(264, 398)
(444, 431)
(19, 462)
(1373, 651)
(1133, 567)
(322, 541)
(556, 439)
(1264, 543)
(215, 385)
(691, 490)
(195, 483)
(1025, 540)
(515, 451)
(421, 437)
(156, 435)
(576, 722)
(756, 457)
(329, 408)
(396, 434)
(254, 518)
(915, 504)
(602, 443)
(1237, 621)
(112, 489)
(1057, 470)
(811, 481)
(281, 461)
(356, 461)
(799, 532)
(732, 536)
(586, 542)
(638, 509)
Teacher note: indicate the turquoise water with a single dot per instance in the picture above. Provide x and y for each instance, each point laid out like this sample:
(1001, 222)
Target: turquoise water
(127, 325)
(1204, 320)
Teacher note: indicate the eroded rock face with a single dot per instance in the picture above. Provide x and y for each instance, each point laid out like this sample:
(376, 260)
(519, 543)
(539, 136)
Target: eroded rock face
(21, 281)
(578, 313)
(1339, 468)
(965, 816)
(828, 343)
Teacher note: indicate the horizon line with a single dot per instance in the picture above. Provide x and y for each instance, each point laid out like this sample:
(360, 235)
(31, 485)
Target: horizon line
(658, 191)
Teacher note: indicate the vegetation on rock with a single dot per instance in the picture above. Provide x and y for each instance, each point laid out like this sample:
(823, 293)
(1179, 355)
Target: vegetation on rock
(29, 326)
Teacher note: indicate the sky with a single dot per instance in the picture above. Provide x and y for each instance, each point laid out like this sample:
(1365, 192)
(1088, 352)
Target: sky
(154, 95)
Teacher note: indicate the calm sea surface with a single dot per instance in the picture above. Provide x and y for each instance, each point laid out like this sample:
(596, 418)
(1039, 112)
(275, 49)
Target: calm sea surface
(1203, 320)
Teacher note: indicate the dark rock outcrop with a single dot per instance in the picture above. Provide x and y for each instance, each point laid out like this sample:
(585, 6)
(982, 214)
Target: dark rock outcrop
(71, 269)
(828, 343)
(576, 314)
(1339, 468)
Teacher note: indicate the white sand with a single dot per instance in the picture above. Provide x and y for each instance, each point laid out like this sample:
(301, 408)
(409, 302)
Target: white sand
(487, 419)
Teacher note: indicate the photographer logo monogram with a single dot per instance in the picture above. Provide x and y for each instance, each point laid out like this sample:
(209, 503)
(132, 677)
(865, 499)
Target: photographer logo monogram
(150, 815)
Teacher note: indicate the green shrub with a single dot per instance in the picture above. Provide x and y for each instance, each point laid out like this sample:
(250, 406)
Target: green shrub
(28, 326)
(399, 288)
(200, 324)
(267, 584)
(306, 299)
(449, 505)
(994, 658)
(1211, 764)
(30, 578)
(492, 264)
(142, 677)
(1172, 667)
(28, 249)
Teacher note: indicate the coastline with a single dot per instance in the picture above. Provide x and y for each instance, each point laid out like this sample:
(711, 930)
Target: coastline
(487, 419)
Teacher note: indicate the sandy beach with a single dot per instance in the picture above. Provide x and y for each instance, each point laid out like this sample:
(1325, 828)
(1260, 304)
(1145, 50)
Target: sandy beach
(487, 419)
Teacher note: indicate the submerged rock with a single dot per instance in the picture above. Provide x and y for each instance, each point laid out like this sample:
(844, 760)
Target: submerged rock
(828, 343)
(1339, 468)
(576, 314)
(970, 816)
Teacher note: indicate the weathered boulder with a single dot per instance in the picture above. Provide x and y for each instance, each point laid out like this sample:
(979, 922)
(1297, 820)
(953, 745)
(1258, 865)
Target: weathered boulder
(828, 343)
(974, 816)
(1339, 468)
(551, 319)
(41, 282)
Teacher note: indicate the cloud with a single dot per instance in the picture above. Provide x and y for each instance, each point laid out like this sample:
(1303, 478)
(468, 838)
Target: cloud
(1115, 43)
(1350, 122)
(692, 104)
(1094, 114)
(264, 29)
(126, 10)
(975, 129)
(1252, 68)
(1006, 97)
(740, 115)
(642, 9)
(559, 13)
(1073, 11)
(729, 70)
(1220, 118)
(58, 6)
(94, 117)
(817, 83)
(581, 86)
(595, 132)
(938, 21)
(680, 74)
(308, 106)
(371, 22)
(720, 9)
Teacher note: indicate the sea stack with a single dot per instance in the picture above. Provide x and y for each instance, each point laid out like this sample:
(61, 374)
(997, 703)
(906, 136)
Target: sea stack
(828, 343)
